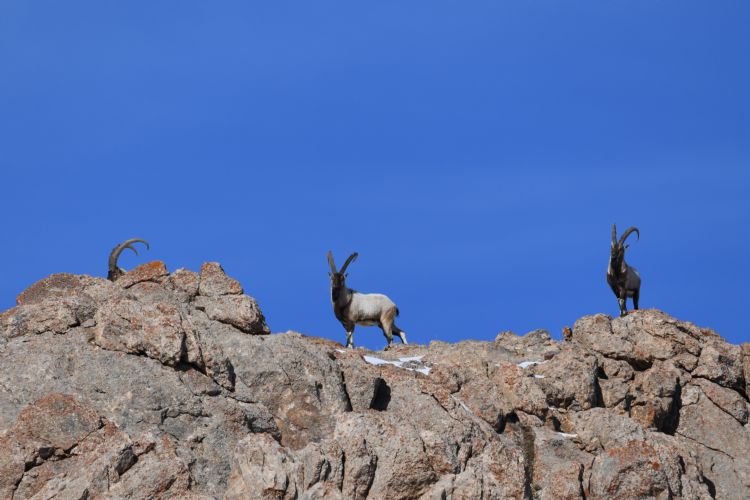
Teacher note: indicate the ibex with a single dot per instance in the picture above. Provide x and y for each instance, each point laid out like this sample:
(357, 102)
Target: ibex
(114, 271)
(367, 309)
(623, 279)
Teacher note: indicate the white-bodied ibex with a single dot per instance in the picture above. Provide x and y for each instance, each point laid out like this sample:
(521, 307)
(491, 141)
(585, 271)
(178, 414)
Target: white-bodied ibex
(367, 309)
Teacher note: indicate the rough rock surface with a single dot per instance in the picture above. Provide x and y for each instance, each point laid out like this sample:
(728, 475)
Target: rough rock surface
(168, 386)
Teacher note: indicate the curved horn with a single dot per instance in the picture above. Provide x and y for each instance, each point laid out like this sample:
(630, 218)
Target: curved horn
(351, 259)
(331, 263)
(614, 234)
(115, 254)
(625, 235)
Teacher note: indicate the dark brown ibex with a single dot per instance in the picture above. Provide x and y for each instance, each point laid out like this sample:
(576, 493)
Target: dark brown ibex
(622, 278)
(114, 271)
(368, 309)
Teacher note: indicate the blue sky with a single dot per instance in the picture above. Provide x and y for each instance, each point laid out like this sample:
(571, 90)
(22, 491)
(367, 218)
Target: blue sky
(475, 153)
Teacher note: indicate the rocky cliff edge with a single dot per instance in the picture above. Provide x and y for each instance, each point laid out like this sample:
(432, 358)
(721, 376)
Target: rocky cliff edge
(169, 385)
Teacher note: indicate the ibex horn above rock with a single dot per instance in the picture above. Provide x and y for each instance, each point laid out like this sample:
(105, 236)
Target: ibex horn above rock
(114, 271)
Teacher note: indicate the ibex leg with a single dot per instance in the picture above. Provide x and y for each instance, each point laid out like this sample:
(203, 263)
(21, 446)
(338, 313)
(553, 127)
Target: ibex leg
(349, 338)
(401, 334)
(388, 332)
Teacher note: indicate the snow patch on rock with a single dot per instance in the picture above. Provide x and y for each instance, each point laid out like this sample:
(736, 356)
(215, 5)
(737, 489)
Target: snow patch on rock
(526, 364)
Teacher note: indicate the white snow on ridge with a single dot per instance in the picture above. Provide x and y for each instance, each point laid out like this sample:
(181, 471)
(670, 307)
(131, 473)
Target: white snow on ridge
(526, 364)
(412, 358)
(566, 435)
(400, 363)
(377, 361)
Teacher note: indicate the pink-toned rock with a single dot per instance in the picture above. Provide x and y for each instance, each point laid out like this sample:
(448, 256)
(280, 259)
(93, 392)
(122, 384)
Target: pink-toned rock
(158, 473)
(154, 271)
(58, 421)
(363, 384)
(47, 430)
(54, 304)
(564, 483)
(631, 471)
(206, 354)
(214, 282)
(626, 338)
(538, 341)
(240, 311)
(154, 330)
(653, 397)
(599, 428)
(522, 390)
(722, 363)
(595, 332)
(60, 448)
(169, 397)
(359, 468)
(728, 400)
(569, 379)
(615, 383)
(685, 361)
(558, 465)
(64, 285)
(262, 469)
(684, 473)
(703, 421)
(57, 316)
(185, 281)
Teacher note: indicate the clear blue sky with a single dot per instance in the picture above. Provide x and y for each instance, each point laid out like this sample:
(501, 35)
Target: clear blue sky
(474, 153)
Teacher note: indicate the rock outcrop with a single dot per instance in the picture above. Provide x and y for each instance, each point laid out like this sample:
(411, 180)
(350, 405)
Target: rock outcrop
(167, 385)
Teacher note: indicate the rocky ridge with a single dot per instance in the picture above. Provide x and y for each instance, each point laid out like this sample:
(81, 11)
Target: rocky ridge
(169, 385)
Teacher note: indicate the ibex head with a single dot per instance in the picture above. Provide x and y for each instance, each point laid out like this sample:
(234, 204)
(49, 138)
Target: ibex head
(617, 248)
(114, 271)
(338, 277)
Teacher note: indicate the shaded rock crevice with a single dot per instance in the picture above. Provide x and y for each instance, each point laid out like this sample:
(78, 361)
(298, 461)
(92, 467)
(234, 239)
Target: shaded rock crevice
(529, 454)
(382, 396)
